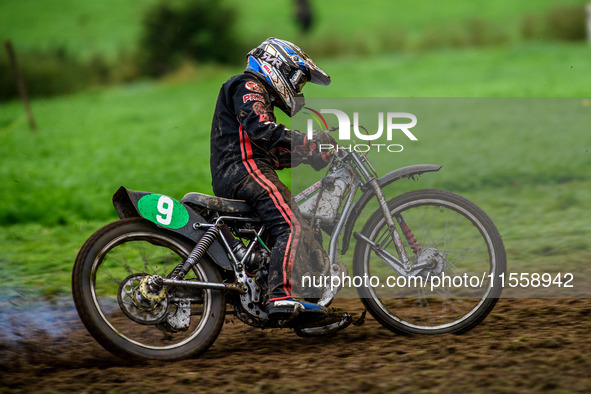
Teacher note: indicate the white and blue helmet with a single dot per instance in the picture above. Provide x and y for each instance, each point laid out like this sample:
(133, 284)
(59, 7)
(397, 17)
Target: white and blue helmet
(287, 69)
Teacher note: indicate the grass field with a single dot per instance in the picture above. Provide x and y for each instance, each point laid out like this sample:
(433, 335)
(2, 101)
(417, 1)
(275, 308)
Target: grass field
(158, 132)
(84, 29)
(57, 183)
(111, 26)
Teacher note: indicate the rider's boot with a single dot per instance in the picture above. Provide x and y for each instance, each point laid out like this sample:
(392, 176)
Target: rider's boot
(289, 308)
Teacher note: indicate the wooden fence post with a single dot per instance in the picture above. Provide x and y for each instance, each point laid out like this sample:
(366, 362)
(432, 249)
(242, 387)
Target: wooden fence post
(20, 84)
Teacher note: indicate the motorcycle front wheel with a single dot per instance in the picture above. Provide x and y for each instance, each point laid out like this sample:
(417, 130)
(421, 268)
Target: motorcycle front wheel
(107, 281)
(456, 256)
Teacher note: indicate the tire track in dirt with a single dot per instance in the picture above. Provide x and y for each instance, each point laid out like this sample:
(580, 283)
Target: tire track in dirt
(524, 345)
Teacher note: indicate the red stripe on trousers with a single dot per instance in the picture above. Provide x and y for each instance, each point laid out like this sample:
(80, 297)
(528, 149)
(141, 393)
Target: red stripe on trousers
(280, 204)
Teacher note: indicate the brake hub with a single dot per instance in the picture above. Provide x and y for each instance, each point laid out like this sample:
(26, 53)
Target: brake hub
(139, 303)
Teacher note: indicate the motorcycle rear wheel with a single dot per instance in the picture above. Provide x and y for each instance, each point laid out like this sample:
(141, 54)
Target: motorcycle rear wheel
(463, 249)
(107, 275)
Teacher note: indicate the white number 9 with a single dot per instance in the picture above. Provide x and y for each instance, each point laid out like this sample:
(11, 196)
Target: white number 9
(165, 207)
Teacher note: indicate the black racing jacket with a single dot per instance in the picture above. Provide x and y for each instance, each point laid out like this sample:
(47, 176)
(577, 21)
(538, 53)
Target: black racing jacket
(244, 128)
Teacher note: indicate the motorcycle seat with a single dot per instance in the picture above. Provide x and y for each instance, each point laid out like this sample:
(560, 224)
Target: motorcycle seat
(222, 205)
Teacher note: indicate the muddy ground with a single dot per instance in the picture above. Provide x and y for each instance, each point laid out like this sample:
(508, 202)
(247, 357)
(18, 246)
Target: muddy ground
(523, 346)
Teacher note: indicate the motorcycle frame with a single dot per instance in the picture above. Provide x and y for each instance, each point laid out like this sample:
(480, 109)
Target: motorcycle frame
(364, 178)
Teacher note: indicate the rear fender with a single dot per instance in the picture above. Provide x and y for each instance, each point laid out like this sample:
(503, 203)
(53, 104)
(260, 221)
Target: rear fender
(169, 214)
(404, 172)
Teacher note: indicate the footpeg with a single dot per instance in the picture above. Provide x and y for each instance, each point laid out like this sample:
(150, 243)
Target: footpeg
(330, 324)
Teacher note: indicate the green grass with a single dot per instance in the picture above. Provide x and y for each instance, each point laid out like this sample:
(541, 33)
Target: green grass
(368, 22)
(110, 26)
(39, 259)
(82, 28)
(525, 70)
(85, 141)
(158, 132)
(487, 142)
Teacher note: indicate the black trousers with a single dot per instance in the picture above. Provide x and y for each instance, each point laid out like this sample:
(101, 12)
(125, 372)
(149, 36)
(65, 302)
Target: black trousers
(296, 251)
(272, 201)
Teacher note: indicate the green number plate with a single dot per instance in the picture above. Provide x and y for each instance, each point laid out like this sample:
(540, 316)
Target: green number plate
(163, 210)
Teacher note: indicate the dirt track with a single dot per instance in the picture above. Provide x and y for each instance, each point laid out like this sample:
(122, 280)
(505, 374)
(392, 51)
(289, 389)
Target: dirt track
(523, 346)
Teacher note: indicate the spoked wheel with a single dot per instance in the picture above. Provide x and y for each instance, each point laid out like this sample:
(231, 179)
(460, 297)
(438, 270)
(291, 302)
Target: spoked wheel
(109, 283)
(457, 255)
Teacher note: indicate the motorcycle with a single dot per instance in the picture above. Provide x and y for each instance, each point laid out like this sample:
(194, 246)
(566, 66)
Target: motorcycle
(156, 283)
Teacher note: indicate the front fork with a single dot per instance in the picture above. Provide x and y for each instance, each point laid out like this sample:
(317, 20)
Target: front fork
(392, 227)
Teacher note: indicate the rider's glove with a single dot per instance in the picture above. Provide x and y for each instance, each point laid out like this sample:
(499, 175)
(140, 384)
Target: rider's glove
(321, 147)
(321, 138)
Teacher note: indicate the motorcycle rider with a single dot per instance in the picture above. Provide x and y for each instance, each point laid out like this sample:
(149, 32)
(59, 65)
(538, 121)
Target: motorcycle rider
(248, 146)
